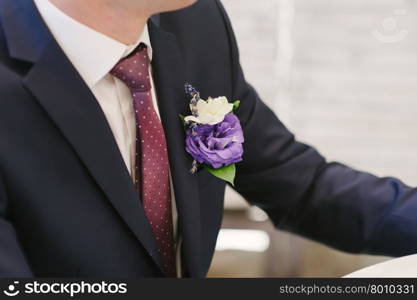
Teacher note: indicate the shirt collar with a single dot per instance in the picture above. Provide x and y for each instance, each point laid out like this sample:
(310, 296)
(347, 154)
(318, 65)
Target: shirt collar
(92, 53)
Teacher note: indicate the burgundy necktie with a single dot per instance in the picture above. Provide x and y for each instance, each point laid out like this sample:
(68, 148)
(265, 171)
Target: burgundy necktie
(152, 165)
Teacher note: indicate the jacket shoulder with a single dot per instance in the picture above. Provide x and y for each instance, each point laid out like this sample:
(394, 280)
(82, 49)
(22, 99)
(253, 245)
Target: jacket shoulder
(204, 20)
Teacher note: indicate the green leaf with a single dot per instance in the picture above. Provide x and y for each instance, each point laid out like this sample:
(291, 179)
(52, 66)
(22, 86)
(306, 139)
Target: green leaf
(236, 105)
(182, 117)
(227, 173)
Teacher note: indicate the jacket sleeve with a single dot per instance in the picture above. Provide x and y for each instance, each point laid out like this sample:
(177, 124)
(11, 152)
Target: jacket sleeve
(12, 259)
(303, 193)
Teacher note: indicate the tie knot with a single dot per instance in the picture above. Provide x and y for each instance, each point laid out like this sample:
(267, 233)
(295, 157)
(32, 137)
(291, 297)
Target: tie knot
(133, 70)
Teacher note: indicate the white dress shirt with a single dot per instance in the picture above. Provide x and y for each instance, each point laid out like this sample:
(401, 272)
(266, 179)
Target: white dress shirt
(93, 55)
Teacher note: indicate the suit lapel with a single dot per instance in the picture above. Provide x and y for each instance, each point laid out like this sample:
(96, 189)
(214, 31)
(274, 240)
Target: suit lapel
(170, 78)
(65, 97)
(68, 101)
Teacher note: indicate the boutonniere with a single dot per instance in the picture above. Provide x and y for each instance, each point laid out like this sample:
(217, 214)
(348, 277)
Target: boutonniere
(214, 136)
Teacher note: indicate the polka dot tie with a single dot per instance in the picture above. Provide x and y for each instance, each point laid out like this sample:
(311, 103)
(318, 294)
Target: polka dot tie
(152, 166)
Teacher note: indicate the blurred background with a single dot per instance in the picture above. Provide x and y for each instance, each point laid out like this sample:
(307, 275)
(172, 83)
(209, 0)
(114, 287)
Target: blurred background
(342, 75)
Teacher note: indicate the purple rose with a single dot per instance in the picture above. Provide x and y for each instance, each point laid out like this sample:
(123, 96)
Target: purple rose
(217, 145)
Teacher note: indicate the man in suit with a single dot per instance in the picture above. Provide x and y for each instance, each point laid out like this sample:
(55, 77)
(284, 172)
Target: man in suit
(94, 175)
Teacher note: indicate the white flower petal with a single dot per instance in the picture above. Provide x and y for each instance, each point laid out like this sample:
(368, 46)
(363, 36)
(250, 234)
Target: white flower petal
(192, 119)
(202, 106)
(222, 100)
(227, 108)
(211, 111)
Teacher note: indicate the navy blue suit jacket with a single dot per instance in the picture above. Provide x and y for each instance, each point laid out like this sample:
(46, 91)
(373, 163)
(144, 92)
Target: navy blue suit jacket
(67, 203)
